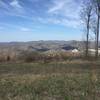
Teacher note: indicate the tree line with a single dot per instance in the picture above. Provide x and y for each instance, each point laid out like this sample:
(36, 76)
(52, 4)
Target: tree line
(90, 16)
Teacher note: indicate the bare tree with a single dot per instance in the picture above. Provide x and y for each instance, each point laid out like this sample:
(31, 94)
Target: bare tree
(86, 16)
(96, 4)
(94, 30)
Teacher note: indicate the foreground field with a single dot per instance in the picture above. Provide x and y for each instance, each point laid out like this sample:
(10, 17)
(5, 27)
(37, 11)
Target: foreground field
(74, 80)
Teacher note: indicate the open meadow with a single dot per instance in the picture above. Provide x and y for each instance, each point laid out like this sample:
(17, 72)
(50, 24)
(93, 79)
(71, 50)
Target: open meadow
(67, 80)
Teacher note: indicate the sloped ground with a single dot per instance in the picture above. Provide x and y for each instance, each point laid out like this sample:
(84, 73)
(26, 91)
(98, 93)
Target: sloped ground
(75, 80)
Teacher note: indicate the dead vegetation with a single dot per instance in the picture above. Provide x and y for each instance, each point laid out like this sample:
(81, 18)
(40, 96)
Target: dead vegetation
(71, 80)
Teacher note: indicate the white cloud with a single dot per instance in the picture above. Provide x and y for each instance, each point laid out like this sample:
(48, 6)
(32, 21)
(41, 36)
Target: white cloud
(64, 8)
(15, 4)
(57, 6)
(25, 29)
(68, 10)
(12, 7)
(17, 10)
(60, 12)
(64, 22)
(4, 5)
(71, 23)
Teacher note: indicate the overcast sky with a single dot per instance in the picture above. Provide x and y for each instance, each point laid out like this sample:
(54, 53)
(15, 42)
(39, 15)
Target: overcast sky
(29, 20)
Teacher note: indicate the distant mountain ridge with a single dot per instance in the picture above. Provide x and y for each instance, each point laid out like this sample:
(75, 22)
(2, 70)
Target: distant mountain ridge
(42, 45)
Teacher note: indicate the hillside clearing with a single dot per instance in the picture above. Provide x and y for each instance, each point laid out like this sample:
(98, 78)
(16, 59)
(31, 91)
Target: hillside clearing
(50, 81)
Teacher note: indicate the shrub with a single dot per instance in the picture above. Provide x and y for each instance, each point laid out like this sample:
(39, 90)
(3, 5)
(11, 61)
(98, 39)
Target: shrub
(30, 56)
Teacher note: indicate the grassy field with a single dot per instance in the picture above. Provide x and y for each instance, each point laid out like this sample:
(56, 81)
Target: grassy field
(70, 80)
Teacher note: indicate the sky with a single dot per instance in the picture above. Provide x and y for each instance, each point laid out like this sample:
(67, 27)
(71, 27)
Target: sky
(33, 20)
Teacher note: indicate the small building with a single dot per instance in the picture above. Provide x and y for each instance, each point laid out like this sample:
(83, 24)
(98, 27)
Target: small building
(92, 51)
(75, 51)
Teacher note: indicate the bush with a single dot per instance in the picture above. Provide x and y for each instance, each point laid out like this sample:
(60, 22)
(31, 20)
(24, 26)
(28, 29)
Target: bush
(30, 56)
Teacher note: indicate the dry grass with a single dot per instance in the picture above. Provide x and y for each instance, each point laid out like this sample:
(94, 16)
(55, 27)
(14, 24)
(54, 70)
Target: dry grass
(75, 80)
